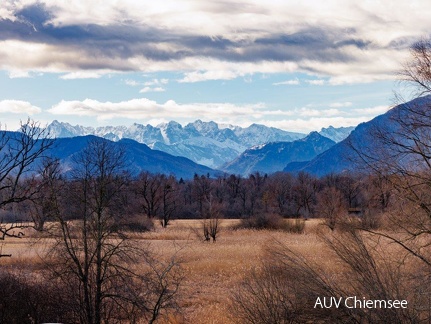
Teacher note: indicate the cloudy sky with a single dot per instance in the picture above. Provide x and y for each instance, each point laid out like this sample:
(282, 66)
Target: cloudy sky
(296, 65)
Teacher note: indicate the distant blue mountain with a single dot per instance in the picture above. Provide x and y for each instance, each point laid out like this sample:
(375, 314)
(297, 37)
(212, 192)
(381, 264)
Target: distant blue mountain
(273, 157)
(344, 157)
(139, 157)
(206, 143)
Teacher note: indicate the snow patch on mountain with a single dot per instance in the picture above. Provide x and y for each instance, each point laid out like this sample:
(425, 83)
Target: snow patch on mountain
(336, 134)
(274, 156)
(208, 143)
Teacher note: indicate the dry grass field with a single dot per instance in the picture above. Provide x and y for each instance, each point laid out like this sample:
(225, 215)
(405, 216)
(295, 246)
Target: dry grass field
(211, 271)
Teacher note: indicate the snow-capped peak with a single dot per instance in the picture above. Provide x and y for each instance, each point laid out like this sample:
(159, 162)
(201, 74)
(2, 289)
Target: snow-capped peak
(205, 142)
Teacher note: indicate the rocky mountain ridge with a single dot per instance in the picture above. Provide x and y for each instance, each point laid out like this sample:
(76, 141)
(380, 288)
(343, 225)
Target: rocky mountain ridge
(206, 143)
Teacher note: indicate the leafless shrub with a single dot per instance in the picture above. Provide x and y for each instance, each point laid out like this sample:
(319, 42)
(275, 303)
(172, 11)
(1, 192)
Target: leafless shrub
(263, 221)
(30, 299)
(160, 285)
(135, 223)
(286, 287)
(210, 225)
(377, 274)
(265, 297)
(371, 220)
(296, 225)
(211, 228)
(208, 229)
(273, 222)
(331, 206)
(284, 290)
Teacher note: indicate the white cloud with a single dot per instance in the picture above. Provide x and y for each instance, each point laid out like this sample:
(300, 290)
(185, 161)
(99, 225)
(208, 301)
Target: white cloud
(156, 82)
(199, 76)
(306, 112)
(81, 75)
(132, 83)
(16, 74)
(7, 10)
(148, 109)
(155, 85)
(149, 89)
(371, 29)
(18, 107)
(304, 119)
(316, 82)
(41, 57)
(288, 82)
(356, 79)
(251, 18)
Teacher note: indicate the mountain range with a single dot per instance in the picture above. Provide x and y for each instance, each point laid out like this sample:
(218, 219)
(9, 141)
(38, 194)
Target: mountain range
(233, 148)
(206, 143)
(274, 156)
(343, 157)
(315, 154)
(138, 157)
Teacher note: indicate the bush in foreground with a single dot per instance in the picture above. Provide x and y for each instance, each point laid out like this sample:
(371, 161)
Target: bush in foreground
(285, 288)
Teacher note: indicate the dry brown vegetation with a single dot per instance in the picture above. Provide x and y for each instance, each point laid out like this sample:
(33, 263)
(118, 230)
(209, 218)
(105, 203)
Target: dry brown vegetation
(212, 273)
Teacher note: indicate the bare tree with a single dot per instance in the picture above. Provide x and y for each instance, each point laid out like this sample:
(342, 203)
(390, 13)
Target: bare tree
(20, 153)
(201, 190)
(45, 205)
(158, 195)
(416, 71)
(149, 187)
(282, 191)
(211, 221)
(400, 153)
(92, 257)
(304, 194)
(351, 187)
(88, 253)
(161, 285)
(331, 206)
(168, 188)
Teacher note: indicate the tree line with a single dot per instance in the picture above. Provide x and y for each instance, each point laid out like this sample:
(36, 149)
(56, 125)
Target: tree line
(42, 194)
(164, 198)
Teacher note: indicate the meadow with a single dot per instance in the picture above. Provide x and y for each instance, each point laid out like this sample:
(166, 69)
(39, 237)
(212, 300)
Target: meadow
(269, 269)
(211, 272)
